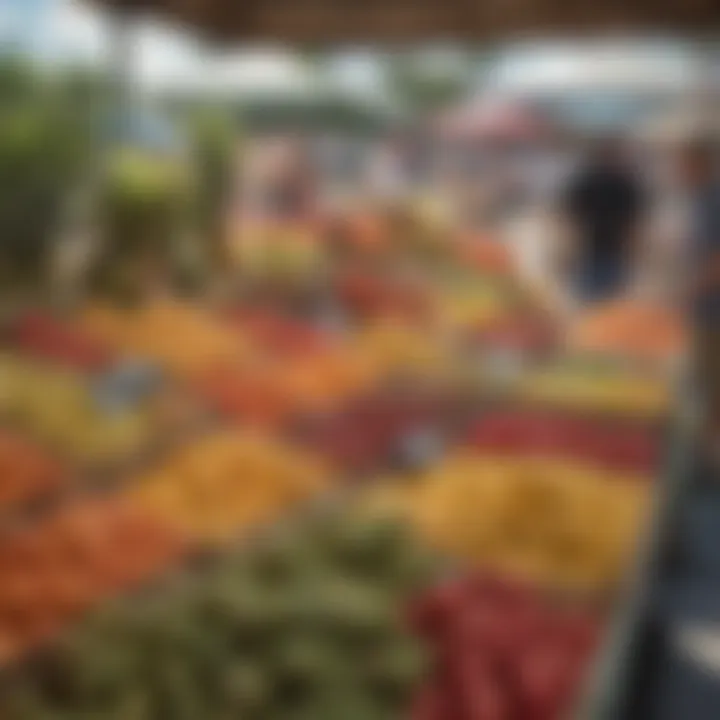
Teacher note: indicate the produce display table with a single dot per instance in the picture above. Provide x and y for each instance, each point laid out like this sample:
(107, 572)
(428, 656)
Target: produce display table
(430, 508)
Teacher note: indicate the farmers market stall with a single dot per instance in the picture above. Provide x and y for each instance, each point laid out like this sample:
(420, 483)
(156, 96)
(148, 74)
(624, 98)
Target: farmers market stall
(428, 506)
(379, 478)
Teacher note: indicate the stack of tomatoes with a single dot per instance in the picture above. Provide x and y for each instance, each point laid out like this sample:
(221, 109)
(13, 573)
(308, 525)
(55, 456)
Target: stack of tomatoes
(502, 651)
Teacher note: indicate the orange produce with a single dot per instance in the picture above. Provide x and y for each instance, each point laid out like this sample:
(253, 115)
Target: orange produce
(248, 394)
(177, 336)
(630, 327)
(227, 483)
(52, 572)
(26, 471)
(486, 255)
(273, 392)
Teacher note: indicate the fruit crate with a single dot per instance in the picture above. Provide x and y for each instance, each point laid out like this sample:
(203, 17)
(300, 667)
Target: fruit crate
(606, 693)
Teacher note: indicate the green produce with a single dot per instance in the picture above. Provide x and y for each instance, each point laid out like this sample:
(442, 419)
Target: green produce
(307, 624)
(142, 211)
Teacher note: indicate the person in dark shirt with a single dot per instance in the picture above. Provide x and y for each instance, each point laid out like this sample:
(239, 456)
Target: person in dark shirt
(604, 203)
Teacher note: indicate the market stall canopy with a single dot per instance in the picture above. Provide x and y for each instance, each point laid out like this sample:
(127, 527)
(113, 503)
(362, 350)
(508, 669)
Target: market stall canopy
(493, 120)
(345, 20)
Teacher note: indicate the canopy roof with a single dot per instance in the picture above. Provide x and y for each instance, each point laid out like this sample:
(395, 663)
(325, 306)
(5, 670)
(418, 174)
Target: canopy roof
(348, 20)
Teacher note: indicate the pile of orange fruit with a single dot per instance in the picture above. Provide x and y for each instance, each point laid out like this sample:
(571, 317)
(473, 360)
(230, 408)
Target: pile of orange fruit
(631, 328)
(53, 571)
(178, 336)
(227, 483)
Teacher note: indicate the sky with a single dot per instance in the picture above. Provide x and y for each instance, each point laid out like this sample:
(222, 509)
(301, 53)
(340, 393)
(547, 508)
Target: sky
(164, 57)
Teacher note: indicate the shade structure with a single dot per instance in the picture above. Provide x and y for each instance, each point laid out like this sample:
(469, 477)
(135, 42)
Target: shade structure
(388, 20)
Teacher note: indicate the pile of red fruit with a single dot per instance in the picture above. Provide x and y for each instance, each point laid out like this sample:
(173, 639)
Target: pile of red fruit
(27, 472)
(503, 652)
(53, 571)
(279, 335)
(371, 433)
(634, 449)
(48, 338)
(373, 296)
(518, 333)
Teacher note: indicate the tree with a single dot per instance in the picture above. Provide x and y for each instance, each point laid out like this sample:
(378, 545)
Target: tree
(425, 81)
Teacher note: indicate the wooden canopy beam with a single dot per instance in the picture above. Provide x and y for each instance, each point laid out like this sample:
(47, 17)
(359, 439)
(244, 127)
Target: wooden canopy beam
(408, 20)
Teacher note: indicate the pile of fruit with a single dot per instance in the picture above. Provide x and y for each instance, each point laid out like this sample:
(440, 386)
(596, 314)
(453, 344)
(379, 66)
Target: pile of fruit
(58, 408)
(620, 392)
(279, 336)
(227, 483)
(178, 337)
(53, 571)
(631, 328)
(309, 624)
(46, 338)
(381, 430)
(272, 391)
(233, 572)
(632, 448)
(551, 522)
(505, 651)
(27, 472)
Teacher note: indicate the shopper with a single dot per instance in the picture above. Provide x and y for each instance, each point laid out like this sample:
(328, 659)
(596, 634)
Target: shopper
(699, 174)
(604, 204)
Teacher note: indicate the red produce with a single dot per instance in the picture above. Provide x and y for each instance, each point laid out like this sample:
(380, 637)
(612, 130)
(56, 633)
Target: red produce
(547, 677)
(627, 449)
(502, 650)
(48, 338)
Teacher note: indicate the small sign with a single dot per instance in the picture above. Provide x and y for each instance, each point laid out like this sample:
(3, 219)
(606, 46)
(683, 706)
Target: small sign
(504, 365)
(126, 385)
(419, 448)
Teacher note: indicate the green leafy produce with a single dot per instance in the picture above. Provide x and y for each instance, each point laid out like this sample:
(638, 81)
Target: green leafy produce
(306, 625)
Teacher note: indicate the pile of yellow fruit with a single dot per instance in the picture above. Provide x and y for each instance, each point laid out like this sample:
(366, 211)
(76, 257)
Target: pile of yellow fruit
(560, 525)
(58, 408)
(396, 349)
(468, 306)
(224, 483)
(177, 336)
(629, 394)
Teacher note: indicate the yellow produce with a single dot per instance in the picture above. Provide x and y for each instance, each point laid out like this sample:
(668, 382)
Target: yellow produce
(475, 307)
(177, 336)
(57, 407)
(220, 485)
(393, 348)
(556, 524)
(628, 394)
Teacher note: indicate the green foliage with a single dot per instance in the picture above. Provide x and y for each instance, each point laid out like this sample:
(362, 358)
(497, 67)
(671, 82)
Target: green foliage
(142, 211)
(43, 151)
(214, 143)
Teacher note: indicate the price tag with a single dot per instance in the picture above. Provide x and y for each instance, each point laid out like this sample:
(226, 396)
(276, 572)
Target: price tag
(126, 385)
(504, 365)
(419, 448)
